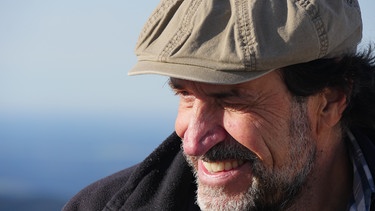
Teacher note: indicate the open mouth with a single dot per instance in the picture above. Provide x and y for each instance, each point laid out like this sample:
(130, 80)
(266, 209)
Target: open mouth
(234, 174)
(219, 166)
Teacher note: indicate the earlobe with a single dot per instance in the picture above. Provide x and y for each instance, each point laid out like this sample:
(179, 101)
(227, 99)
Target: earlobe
(334, 106)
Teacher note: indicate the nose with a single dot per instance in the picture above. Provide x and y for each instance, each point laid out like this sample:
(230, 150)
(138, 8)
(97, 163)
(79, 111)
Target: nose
(203, 128)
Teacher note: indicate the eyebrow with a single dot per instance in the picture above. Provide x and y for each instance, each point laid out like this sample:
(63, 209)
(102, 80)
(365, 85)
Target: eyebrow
(173, 83)
(227, 94)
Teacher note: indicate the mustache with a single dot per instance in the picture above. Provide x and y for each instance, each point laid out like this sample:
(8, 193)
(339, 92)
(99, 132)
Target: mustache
(229, 150)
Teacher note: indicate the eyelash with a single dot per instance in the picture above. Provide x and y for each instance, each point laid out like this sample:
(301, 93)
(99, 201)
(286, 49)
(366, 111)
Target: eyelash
(230, 106)
(182, 93)
(185, 95)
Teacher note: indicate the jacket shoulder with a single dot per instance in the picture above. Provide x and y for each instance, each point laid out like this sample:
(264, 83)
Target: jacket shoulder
(96, 195)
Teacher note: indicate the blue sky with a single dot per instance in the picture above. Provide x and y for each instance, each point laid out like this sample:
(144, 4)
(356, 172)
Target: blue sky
(73, 56)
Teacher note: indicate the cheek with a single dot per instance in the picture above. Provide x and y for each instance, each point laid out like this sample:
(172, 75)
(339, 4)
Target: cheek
(248, 132)
(264, 138)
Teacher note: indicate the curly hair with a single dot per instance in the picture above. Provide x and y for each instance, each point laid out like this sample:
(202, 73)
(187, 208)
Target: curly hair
(352, 74)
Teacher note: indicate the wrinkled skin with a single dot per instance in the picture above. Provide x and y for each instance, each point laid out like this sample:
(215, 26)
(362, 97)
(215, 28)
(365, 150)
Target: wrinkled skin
(253, 146)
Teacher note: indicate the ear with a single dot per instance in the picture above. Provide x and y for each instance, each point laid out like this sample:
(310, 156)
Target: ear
(333, 106)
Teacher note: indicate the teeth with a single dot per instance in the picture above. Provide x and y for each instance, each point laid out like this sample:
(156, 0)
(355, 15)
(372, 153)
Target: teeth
(214, 167)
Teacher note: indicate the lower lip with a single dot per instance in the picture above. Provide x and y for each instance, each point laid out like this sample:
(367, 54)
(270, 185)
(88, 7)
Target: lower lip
(223, 178)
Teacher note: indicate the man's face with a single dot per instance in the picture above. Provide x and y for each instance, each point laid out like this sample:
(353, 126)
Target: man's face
(249, 144)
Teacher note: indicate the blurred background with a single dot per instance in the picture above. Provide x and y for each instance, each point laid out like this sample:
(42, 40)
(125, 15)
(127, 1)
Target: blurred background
(69, 114)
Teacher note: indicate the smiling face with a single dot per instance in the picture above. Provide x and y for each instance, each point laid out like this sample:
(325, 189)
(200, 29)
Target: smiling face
(249, 144)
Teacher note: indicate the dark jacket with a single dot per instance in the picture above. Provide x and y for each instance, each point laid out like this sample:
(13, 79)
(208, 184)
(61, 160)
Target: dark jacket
(163, 181)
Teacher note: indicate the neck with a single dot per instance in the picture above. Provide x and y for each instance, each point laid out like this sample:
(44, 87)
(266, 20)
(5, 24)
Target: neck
(330, 183)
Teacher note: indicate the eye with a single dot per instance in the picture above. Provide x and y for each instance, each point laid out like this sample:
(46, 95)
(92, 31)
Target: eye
(233, 106)
(182, 93)
(185, 96)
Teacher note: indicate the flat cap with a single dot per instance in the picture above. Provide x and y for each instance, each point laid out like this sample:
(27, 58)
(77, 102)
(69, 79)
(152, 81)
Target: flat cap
(233, 41)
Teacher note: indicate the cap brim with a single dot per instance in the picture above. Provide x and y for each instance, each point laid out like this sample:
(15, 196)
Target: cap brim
(195, 73)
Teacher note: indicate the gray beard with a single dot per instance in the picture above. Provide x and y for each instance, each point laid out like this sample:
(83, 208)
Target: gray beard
(275, 189)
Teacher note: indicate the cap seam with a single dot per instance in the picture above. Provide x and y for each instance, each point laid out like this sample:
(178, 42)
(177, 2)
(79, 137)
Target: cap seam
(240, 69)
(317, 21)
(184, 29)
(246, 39)
(159, 11)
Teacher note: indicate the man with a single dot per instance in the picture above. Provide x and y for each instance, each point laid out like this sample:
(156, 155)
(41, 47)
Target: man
(276, 110)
